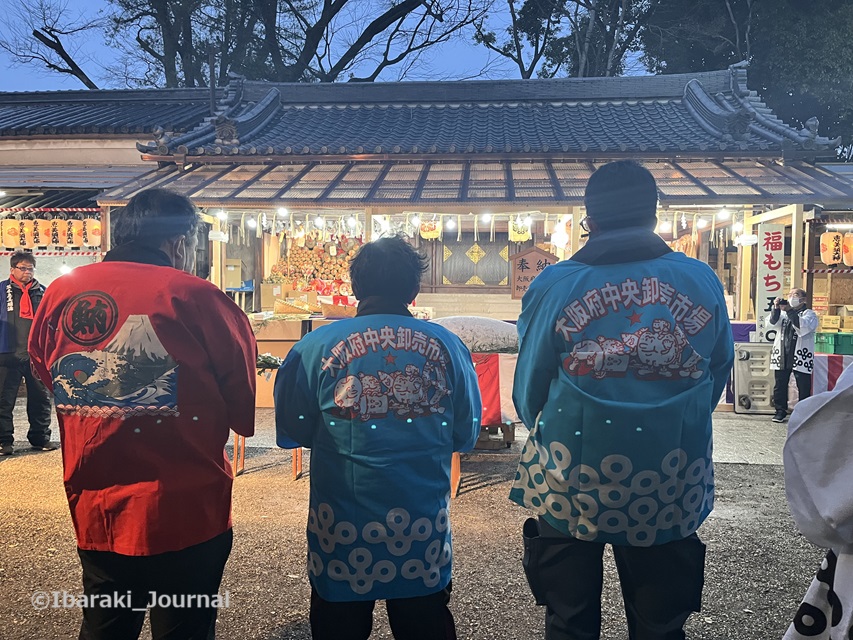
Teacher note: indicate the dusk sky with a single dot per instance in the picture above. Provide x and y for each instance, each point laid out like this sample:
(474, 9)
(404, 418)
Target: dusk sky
(456, 60)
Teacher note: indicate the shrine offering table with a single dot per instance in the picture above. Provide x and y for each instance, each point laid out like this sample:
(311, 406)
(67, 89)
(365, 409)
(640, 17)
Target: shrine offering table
(827, 369)
(275, 337)
(495, 373)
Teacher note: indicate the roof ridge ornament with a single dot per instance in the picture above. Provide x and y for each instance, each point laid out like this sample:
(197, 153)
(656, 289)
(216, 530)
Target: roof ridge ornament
(230, 128)
(716, 117)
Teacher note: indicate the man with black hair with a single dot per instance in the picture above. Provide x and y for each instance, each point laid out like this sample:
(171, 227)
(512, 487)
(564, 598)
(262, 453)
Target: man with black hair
(150, 368)
(23, 295)
(624, 353)
(383, 400)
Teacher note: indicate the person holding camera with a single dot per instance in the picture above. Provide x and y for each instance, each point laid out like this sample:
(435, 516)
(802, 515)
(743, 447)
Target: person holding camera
(793, 348)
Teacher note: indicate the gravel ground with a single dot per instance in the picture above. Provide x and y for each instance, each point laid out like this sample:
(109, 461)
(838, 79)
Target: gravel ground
(758, 566)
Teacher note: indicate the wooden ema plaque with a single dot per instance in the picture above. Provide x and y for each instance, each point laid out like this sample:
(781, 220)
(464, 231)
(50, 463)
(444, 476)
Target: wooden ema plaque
(526, 265)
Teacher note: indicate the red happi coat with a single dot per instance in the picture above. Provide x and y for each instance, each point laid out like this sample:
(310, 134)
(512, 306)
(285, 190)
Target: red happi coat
(150, 368)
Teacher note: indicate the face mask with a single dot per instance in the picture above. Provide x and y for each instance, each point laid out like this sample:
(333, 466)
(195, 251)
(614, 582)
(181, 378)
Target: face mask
(795, 302)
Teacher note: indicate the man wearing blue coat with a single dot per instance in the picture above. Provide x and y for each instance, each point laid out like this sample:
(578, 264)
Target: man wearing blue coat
(383, 400)
(624, 353)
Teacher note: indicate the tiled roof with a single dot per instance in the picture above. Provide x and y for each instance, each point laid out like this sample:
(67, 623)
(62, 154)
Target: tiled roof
(102, 112)
(427, 183)
(707, 114)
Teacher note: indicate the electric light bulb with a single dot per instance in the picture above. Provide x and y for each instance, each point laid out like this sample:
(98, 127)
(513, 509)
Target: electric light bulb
(251, 223)
(221, 214)
(666, 226)
(283, 212)
(701, 223)
(451, 224)
(351, 222)
(319, 222)
(65, 269)
(723, 214)
(737, 227)
(528, 221)
(486, 218)
(416, 221)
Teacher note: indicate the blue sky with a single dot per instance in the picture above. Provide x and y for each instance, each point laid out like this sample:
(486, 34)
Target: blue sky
(460, 59)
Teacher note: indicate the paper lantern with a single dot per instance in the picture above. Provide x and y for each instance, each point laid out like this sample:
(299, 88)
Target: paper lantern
(41, 232)
(519, 231)
(25, 237)
(92, 232)
(58, 230)
(831, 244)
(11, 230)
(847, 253)
(430, 230)
(74, 234)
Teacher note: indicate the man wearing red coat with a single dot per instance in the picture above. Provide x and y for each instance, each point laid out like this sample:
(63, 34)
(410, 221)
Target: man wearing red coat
(150, 367)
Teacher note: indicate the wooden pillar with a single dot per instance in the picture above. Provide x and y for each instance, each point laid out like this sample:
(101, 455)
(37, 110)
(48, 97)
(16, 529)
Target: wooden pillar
(368, 224)
(808, 247)
(797, 248)
(745, 273)
(105, 229)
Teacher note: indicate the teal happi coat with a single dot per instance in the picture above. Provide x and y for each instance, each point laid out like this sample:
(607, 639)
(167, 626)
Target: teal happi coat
(619, 369)
(383, 401)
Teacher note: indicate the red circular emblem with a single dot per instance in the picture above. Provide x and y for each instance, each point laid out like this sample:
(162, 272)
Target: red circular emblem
(89, 318)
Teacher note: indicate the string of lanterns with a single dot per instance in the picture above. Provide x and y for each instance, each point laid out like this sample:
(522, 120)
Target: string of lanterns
(56, 231)
(725, 226)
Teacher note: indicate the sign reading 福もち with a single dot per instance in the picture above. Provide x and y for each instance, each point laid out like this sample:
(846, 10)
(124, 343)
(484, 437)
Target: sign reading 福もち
(526, 265)
(771, 276)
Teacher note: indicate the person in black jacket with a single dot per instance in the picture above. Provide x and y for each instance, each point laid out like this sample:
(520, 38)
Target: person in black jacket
(23, 294)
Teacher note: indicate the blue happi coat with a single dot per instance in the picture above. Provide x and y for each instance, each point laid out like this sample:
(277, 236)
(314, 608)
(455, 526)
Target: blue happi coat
(382, 401)
(619, 369)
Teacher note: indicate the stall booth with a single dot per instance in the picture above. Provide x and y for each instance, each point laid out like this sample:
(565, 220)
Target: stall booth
(297, 176)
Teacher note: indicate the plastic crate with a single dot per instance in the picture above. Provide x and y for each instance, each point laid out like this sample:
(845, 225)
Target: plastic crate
(825, 342)
(844, 344)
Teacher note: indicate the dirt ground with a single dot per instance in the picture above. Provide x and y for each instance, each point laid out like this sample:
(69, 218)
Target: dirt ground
(758, 566)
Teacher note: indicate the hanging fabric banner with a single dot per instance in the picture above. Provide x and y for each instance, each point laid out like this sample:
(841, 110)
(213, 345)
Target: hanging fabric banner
(771, 276)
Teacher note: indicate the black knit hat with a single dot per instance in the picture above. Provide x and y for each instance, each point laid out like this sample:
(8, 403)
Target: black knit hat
(621, 194)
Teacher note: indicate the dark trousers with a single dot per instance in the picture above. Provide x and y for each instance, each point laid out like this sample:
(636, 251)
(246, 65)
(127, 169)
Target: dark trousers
(780, 389)
(661, 585)
(12, 371)
(196, 570)
(423, 618)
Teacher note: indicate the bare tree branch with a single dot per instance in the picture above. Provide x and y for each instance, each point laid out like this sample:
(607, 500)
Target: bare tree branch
(43, 31)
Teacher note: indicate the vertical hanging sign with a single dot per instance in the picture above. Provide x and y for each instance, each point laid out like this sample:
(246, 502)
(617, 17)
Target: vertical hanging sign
(771, 276)
(525, 266)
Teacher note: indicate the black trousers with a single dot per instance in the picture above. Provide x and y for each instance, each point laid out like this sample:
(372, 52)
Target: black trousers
(423, 618)
(196, 570)
(780, 389)
(661, 585)
(12, 371)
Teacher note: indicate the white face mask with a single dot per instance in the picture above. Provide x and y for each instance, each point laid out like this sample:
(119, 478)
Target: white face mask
(795, 302)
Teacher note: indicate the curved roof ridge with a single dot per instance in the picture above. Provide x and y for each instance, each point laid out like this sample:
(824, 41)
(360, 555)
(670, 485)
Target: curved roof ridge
(106, 95)
(763, 115)
(515, 90)
(231, 102)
